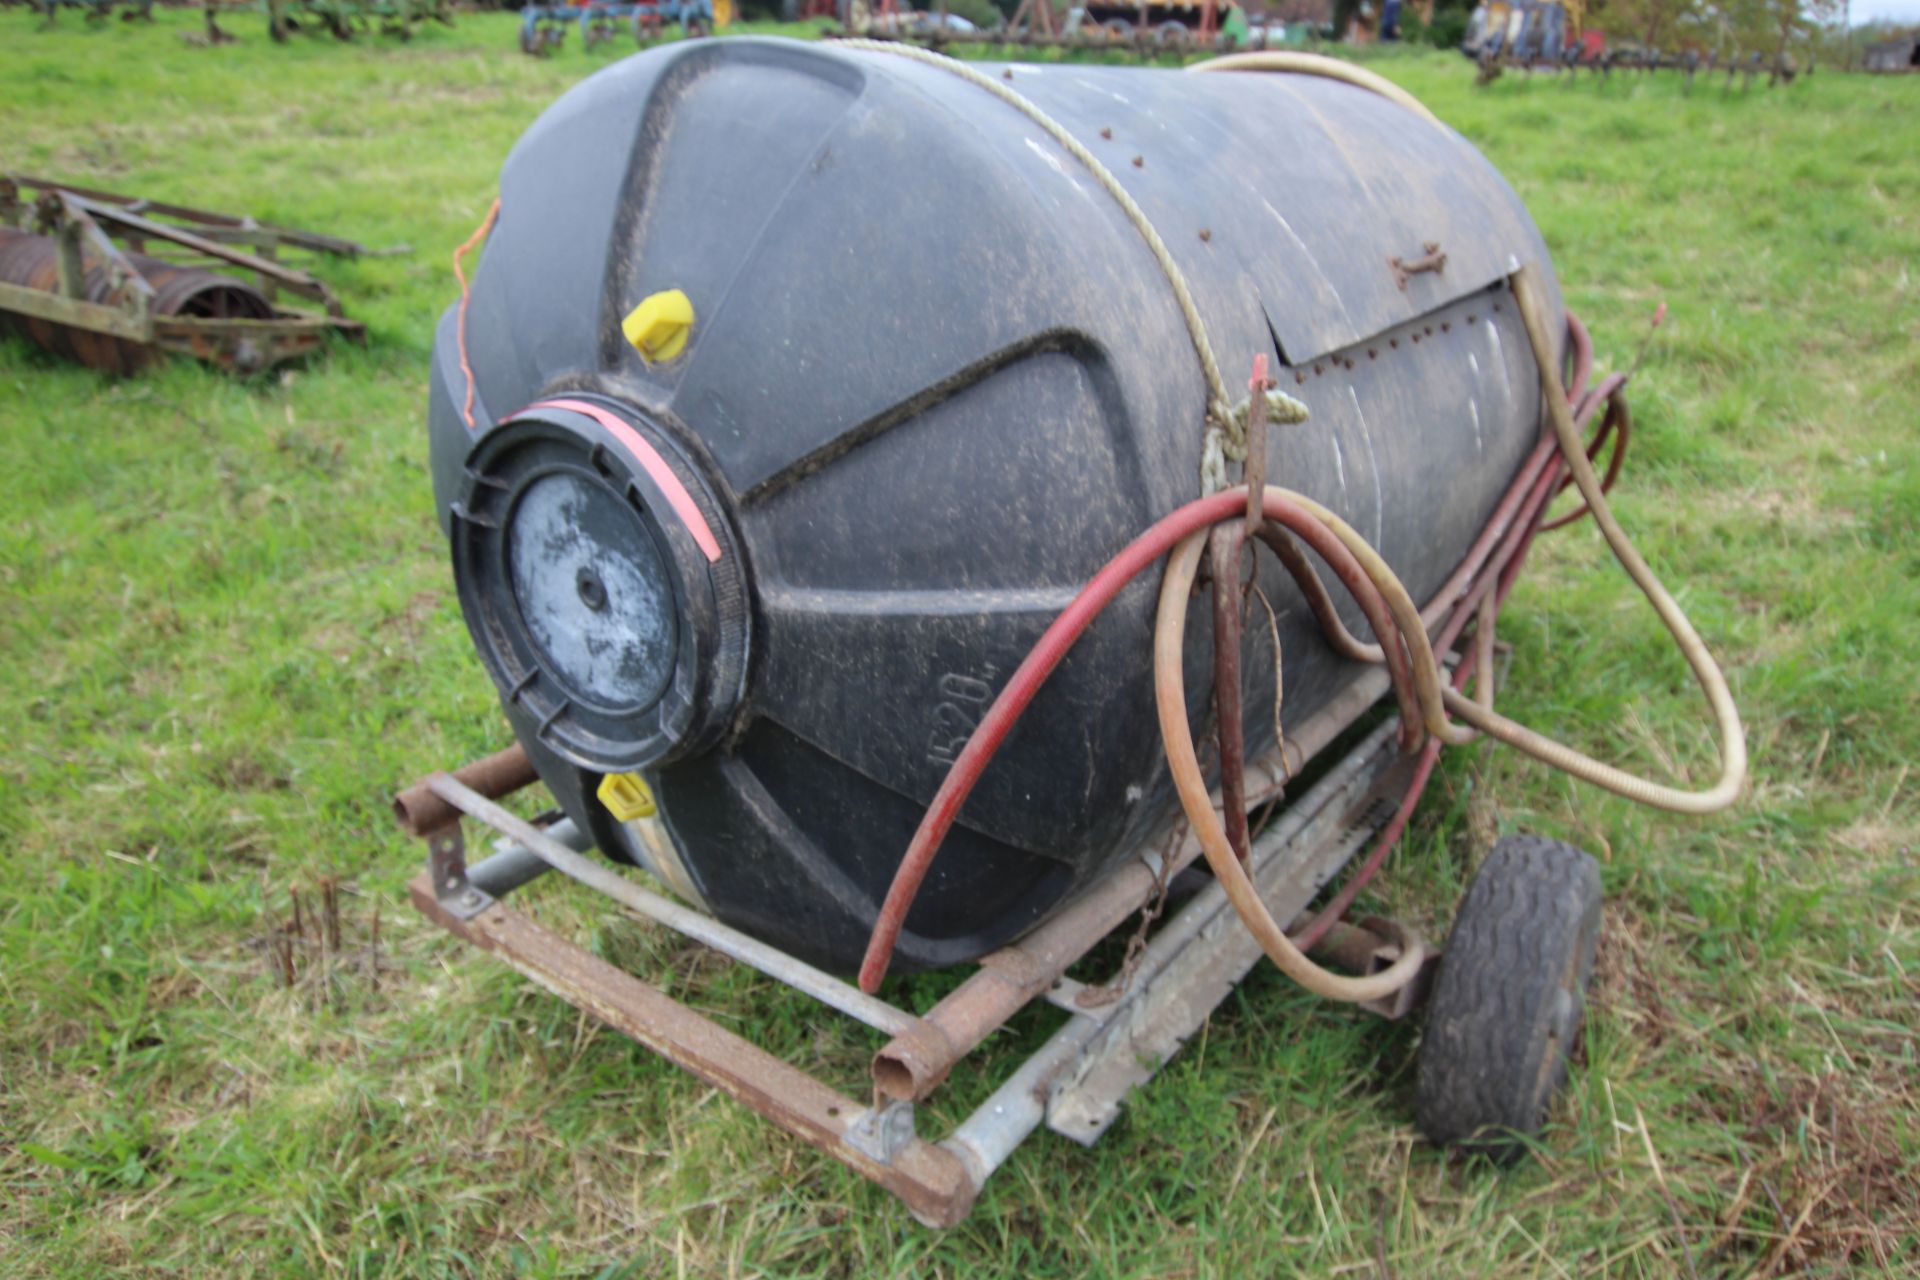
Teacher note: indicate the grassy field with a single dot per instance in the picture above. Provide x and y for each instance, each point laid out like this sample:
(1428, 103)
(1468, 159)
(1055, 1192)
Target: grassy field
(227, 630)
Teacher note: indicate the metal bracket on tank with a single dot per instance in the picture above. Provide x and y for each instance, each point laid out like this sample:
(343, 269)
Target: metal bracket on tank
(1405, 268)
(447, 869)
(883, 1131)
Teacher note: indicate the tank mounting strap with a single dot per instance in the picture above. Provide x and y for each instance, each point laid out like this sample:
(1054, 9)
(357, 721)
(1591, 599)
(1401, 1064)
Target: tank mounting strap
(1226, 425)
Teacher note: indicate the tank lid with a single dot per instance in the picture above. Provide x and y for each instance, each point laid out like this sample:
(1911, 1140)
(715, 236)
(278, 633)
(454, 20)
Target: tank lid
(601, 584)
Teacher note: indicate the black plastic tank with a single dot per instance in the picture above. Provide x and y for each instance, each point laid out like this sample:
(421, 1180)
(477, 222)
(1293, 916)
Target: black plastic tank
(934, 379)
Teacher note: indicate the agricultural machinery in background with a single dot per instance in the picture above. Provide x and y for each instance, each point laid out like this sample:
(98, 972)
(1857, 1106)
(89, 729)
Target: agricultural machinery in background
(544, 27)
(1147, 28)
(96, 12)
(342, 19)
(1523, 33)
(346, 19)
(118, 282)
(1164, 24)
(1550, 35)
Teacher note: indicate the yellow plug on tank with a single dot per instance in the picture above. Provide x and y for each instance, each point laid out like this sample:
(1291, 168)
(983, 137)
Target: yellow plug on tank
(627, 796)
(659, 326)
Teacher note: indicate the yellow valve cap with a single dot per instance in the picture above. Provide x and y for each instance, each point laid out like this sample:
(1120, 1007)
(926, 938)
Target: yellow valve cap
(659, 326)
(626, 796)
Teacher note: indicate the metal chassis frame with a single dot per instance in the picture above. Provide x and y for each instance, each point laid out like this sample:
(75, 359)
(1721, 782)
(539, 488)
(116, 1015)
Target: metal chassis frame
(1114, 1040)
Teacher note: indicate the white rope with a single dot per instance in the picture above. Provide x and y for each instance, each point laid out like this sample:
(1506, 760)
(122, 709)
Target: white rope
(1226, 425)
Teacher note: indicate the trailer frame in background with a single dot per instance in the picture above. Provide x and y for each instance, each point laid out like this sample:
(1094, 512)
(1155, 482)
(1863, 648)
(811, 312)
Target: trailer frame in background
(544, 26)
(96, 231)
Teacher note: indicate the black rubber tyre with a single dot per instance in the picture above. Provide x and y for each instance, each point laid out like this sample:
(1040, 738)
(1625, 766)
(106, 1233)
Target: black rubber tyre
(1508, 1000)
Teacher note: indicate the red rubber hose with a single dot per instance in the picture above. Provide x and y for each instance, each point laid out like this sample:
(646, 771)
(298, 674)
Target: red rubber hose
(1087, 605)
(1046, 655)
(1007, 708)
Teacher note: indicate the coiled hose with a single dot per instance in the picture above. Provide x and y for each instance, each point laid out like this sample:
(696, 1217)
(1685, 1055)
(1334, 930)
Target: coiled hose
(1182, 532)
(1425, 698)
(1436, 696)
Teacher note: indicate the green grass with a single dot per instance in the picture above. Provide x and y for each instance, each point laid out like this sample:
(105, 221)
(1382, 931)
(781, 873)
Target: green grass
(227, 630)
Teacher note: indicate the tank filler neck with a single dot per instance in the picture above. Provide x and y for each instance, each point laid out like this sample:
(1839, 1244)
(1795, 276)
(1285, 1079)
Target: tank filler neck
(602, 584)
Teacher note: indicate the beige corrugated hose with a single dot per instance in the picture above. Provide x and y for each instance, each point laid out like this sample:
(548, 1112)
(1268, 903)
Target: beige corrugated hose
(1436, 698)
(1313, 64)
(1170, 699)
(1733, 742)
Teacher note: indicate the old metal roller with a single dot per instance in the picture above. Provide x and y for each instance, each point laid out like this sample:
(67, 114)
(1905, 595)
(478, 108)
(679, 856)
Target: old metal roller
(34, 261)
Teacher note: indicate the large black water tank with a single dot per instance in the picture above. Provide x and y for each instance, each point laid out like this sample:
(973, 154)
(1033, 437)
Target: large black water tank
(934, 380)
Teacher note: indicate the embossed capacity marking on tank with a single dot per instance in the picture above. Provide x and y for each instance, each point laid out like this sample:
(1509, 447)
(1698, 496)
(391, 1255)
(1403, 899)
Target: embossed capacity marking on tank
(963, 700)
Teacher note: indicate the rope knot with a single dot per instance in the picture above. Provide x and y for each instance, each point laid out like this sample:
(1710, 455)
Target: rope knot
(1227, 433)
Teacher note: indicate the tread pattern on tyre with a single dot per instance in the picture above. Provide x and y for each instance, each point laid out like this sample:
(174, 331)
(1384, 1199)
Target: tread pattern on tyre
(1533, 910)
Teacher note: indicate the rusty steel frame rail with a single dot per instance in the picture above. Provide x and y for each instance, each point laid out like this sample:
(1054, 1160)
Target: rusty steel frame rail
(931, 1180)
(1077, 1080)
(74, 218)
(912, 1066)
(421, 812)
(725, 939)
(228, 228)
(1107, 1046)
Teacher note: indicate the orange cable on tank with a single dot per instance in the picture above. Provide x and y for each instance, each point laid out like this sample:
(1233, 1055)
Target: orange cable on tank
(460, 321)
